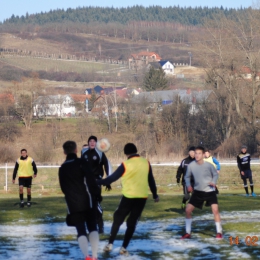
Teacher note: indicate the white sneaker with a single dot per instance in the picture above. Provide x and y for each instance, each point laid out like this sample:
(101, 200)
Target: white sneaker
(108, 248)
(123, 251)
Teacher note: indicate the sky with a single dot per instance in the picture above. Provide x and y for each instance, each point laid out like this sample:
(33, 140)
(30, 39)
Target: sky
(21, 7)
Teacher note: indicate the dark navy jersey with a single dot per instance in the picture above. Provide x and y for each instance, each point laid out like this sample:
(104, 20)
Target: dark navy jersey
(97, 162)
(243, 161)
(183, 168)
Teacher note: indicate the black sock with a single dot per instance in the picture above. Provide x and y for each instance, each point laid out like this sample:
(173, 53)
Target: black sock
(28, 197)
(252, 188)
(246, 189)
(21, 197)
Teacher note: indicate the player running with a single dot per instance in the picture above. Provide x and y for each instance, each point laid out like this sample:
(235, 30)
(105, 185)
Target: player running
(97, 162)
(136, 176)
(205, 179)
(243, 164)
(26, 169)
(181, 174)
(80, 189)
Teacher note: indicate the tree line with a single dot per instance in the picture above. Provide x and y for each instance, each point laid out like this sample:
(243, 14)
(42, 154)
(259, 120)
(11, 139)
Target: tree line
(182, 15)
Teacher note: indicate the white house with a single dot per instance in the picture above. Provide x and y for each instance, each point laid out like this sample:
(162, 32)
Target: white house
(165, 65)
(54, 105)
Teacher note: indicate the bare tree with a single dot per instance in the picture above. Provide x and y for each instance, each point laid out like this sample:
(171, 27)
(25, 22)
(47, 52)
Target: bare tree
(230, 51)
(26, 93)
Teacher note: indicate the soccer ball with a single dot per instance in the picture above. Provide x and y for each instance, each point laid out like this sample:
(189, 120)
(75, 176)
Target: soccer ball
(103, 145)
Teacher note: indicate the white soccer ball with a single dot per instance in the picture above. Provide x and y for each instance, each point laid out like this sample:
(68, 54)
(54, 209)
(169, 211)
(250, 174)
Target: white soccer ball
(103, 145)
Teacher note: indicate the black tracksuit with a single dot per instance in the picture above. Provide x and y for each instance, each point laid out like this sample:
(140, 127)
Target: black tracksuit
(243, 164)
(80, 190)
(181, 175)
(97, 161)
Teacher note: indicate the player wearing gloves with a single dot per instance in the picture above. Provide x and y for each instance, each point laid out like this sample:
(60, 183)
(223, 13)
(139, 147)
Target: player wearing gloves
(181, 175)
(98, 162)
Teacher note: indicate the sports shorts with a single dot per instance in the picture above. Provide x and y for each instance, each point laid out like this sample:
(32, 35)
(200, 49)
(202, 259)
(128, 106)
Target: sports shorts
(199, 197)
(247, 174)
(25, 182)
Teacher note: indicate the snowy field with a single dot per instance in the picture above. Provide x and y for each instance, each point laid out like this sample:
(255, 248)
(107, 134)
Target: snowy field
(152, 240)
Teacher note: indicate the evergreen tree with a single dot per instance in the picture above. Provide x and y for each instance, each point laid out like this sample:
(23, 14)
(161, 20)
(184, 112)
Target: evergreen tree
(155, 79)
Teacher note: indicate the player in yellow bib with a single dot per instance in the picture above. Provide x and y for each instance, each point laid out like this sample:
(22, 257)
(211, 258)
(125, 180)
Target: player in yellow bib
(137, 178)
(26, 169)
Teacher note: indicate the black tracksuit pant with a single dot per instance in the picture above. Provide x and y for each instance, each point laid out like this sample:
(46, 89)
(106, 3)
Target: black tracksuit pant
(133, 208)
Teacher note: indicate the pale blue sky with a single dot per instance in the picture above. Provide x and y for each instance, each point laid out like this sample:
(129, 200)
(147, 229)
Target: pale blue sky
(20, 7)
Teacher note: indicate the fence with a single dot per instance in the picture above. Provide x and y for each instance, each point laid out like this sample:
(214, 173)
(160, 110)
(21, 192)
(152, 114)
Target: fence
(164, 174)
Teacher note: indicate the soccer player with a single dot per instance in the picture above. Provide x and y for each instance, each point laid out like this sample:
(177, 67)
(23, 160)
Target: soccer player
(209, 158)
(80, 189)
(243, 164)
(26, 169)
(181, 174)
(205, 179)
(98, 162)
(136, 175)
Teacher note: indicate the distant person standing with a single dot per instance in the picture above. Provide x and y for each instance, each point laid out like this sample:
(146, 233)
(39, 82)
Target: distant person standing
(26, 169)
(98, 163)
(80, 189)
(137, 177)
(205, 179)
(180, 176)
(209, 158)
(243, 164)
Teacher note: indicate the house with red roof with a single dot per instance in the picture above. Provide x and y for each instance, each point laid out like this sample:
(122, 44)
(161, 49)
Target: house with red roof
(140, 60)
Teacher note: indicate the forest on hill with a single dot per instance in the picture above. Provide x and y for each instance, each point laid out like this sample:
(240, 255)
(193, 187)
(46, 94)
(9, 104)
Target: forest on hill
(173, 14)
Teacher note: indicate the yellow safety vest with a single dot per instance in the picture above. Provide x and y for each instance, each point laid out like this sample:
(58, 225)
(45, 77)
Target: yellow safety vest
(210, 160)
(25, 168)
(135, 178)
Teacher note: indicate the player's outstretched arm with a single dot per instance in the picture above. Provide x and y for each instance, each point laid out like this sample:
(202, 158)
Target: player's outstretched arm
(113, 177)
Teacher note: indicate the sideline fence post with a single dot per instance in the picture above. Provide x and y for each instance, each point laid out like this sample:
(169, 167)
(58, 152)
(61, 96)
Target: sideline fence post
(6, 188)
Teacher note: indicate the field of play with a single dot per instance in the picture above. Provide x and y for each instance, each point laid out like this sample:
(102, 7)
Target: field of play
(40, 232)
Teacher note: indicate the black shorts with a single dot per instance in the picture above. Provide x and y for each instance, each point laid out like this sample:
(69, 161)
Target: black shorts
(88, 217)
(25, 182)
(247, 174)
(198, 197)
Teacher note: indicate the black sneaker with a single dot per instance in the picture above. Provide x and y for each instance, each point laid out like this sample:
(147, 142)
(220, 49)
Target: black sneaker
(28, 204)
(21, 204)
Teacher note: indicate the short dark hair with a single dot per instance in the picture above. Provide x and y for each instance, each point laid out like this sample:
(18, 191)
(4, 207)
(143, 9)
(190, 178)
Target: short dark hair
(23, 150)
(201, 148)
(207, 150)
(130, 148)
(69, 147)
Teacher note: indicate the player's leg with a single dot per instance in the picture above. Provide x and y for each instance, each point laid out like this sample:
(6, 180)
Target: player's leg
(119, 216)
(197, 201)
(134, 216)
(29, 191)
(250, 178)
(21, 184)
(82, 238)
(188, 219)
(100, 221)
(245, 185)
(215, 211)
(93, 233)
(186, 196)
